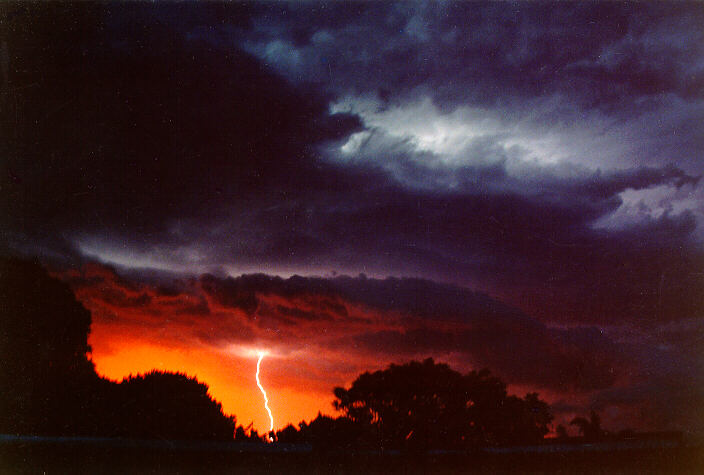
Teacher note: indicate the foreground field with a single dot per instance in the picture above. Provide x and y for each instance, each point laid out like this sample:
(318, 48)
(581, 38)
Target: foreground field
(80, 457)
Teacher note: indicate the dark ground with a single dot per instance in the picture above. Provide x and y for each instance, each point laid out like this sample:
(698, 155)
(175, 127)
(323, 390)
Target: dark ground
(86, 458)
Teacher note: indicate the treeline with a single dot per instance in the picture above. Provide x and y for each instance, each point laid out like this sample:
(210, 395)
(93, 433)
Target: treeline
(425, 405)
(48, 386)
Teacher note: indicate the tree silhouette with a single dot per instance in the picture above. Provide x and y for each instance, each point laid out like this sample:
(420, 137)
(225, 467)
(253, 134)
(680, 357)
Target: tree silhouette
(328, 433)
(49, 386)
(45, 374)
(248, 434)
(289, 434)
(425, 405)
(161, 405)
(590, 429)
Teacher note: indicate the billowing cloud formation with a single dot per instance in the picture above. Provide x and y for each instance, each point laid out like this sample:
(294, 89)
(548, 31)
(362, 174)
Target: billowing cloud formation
(546, 154)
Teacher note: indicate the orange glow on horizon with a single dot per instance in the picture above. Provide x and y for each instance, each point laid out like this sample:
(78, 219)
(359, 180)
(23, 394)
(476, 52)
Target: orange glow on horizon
(228, 377)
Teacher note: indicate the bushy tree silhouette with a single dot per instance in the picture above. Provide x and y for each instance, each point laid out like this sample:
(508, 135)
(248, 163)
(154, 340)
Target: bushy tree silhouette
(48, 385)
(520, 420)
(45, 376)
(590, 428)
(289, 434)
(328, 433)
(425, 405)
(161, 405)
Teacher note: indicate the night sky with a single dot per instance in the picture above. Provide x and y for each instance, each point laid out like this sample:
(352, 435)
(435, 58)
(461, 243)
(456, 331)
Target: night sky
(510, 186)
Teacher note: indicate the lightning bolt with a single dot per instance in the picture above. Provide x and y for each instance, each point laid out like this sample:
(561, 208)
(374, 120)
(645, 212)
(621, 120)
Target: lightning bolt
(266, 400)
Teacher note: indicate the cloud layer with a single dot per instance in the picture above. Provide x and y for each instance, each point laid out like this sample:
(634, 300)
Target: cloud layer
(548, 155)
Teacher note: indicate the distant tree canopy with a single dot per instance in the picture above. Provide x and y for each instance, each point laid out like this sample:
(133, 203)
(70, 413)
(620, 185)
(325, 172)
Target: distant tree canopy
(590, 428)
(429, 405)
(48, 385)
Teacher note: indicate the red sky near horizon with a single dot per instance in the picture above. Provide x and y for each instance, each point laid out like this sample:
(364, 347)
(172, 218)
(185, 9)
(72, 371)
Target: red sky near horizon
(315, 340)
(127, 339)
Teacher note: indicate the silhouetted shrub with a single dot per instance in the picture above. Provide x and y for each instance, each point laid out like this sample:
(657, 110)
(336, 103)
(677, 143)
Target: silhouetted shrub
(428, 405)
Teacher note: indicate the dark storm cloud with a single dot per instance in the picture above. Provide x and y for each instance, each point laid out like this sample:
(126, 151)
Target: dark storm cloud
(542, 248)
(604, 53)
(665, 400)
(607, 185)
(110, 134)
(548, 154)
(144, 135)
(521, 351)
(393, 317)
(411, 297)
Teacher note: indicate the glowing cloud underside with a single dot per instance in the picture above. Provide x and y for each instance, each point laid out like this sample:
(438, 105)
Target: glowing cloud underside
(261, 388)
